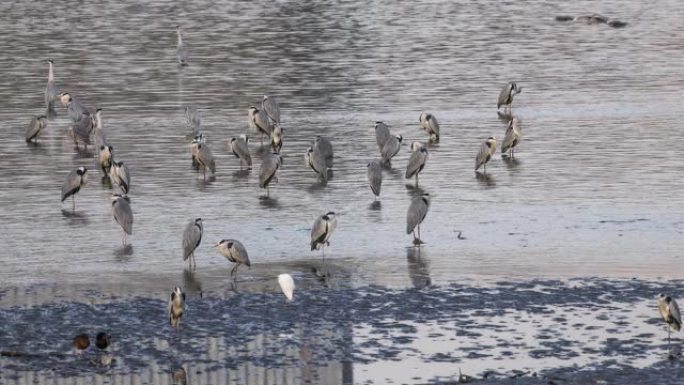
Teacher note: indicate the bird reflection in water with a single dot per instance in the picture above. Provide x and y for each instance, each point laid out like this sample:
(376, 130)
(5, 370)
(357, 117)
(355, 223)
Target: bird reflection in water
(485, 180)
(179, 376)
(191, 283)
(123, 252)
(510, 162)
(268, 202)
(418, 269)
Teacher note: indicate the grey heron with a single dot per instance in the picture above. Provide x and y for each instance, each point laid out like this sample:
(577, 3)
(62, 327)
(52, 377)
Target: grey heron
(321, 231)
(235, 252)
(120, 176)
(240, 149)
(75, 109)
(316, 160)
(277, 138)
(382, 134)
(205, 159)
(258, 122)
(487, 149)
(429, 124)
(512, 137)
(73, 183)
(416, 163)
(375, 177)
(193, 119)
(35, 128)
(416, 214)
(268, 170)
(123, 215)
(103, 340)
(324, 147)
(199, 138)
(506, 95)
(105, 158)
(98, 128)
(287, 285)
(669, 310)
(82, 130)
(391, 148)
(50, 89)
(192, 237)
(176, 307)
(270, 105)
(80, 343)
(181, 50)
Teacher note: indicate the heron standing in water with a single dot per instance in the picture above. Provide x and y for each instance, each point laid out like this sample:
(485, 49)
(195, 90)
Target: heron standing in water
(416, 163)
(123, 215)
(512, 138)
(506, 95)
(487, 149)
(416, 214)
(430, 125)
(240, 149)
(391, 148)
(73, 183)
(669, 310)
(375, 177)
(176, 307)
(35, 128)
(192, 236)
(50, 90)
(321, 231)
(272, 108)
(268, 170)
(120, 176)
(259, 122)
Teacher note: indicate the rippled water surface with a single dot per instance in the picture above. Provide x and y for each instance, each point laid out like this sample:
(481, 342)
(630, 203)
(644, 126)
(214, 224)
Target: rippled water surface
(594, 190)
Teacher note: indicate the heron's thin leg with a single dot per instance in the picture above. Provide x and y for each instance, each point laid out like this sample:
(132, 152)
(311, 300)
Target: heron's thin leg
(419, 234)
(73, 203)
(416, 179)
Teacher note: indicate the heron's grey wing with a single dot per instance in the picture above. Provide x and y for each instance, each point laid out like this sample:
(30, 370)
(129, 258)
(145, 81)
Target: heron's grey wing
(416, 213)
(318, 163)
(325, 148)
(433, 125)
(71, 185)
(77, 110)
(125, 176)
(123, 215)
(262, 123)
(382, 134)
(240, 253)
(504, 95)
(676, 315)
(33, 128)
(318, 232)
(482, 155)
(390, 149)
(509, 138)
(375, 177)
(207, 158)
(416, 163)
(191, 236)
(267, 171)
(242, 151)
(270, 105)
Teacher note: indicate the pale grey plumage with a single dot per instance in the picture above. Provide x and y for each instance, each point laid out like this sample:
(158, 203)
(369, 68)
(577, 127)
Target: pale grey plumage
(375, 177)
(270, 105)
(417, 160)
(507, 93)
(176, 307)
(512, 137)
(323, 146)
(268, 170)
(75, 109)
(487, 149)
(82, 130)
(105, 158)
(322, 230)
(192, 237)
(416, 214)
(193, 119)
(277, 138)
(429, 124)
(259, 122)
(123, 215)
(316, 161)
(120, 176)
(36, 127)
(73, 183)
(382, 134)
(669, 310)
(235, 252)
(391, 148)
(240, 149)
(205, 159)
(181, 50)
(50, 89)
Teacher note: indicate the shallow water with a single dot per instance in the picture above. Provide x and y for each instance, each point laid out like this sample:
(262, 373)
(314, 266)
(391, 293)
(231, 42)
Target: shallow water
(594, 189)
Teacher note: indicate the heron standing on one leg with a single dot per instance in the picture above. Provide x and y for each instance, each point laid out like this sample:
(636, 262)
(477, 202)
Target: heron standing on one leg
(321, 231)
(123, 215)
(669, 310)
(192, 236)
(416, 163)
(73, 183)
(416, 214)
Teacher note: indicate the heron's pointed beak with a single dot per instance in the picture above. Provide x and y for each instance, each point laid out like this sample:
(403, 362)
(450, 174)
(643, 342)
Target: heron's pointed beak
(216, 245)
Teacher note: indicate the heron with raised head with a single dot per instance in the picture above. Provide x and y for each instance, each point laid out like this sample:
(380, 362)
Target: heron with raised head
(176, 307)
(270, 105)
(120, 176)
(417, 160)
(181, 50)
(259, 122)
(512, 137)
(73, 183)
(391, 148)
(268, 171)
(204, 157)
(322, 230)
(287, 285)
(416, 214)
(487, 149)
(235, 252)
(35, 128)
(429, 124)
(123, 215)
(506, 95)
(375, 177)
(192, 237)
(239, 147)
(669, 310)
(50, 90)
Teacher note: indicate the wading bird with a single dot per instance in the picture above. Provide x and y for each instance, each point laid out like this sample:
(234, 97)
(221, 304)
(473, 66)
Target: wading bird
(123, 215)
(316, 161)
(120, 176)
(268, 170)
(50, 90)
(181, 50)
(506, 96)
(73, 183)
(205, 159)
(240, 149)
(416, 214)
(259, 122)
(192, 236)
(277, 138)
(271, 107)
(235, 252)
(199, 138)
(104, 158)
(176, 307)
(430, 125)
(82, 130)
(75, 109)
(81, 343)
(416, 163)
(375, 177)
(321, 231)
(382, 134)
(669, 310)
(512, 138)
(100, 138)
(324, 147)
(287, 285)
(391, 148)
(35, 128)
(487, 149)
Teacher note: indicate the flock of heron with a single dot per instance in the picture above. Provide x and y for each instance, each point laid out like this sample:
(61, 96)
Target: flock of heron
(265, 121)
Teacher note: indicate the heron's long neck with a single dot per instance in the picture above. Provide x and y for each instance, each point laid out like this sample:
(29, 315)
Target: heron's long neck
(180, 38)
(51, 75)
(98, 121)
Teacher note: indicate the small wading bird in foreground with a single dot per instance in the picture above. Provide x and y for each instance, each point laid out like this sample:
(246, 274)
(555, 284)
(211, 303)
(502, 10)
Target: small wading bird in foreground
(176, 307)
(287, 285)
(669, 310)
(416, 163)
(512, 137)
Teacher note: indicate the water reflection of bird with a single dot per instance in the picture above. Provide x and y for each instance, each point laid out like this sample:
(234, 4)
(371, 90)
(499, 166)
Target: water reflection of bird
(322, 230)
(418, 269)
(81, 343)
(669, 310)
(192, 236)
(235, 252)
(416, 214)
(287, 285)
(176, 307)
(181, 50)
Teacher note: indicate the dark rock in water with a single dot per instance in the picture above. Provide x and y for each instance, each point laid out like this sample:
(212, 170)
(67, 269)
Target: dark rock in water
(617, 23)
(593, 18)
(564, 18)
